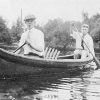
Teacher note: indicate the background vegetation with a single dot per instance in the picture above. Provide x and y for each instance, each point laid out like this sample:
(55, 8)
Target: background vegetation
(57, 32)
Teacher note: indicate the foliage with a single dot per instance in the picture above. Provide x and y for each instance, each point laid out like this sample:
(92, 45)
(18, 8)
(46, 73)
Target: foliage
(4, 32)
(85, 17)
(57, 33)
(95, 27)
(16, 30)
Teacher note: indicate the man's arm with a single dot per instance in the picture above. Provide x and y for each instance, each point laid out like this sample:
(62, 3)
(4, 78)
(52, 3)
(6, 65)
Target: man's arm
(91, 45)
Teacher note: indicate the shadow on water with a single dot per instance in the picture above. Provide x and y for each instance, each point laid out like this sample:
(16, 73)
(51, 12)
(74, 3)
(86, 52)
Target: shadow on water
(54, 86)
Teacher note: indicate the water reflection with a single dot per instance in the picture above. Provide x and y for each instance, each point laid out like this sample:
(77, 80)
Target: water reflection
(54, 86)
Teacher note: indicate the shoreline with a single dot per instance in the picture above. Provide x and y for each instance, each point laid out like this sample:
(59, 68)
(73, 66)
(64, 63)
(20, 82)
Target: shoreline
(67, 51)
(15, 45)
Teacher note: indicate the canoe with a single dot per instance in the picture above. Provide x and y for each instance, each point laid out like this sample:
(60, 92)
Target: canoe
(11, 63)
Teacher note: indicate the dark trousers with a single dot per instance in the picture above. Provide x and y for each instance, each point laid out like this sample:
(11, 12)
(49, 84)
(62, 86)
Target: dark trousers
(33, 54)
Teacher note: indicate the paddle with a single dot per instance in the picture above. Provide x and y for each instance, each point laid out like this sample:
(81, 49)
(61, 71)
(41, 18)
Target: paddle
(94, 58)
(19, 47)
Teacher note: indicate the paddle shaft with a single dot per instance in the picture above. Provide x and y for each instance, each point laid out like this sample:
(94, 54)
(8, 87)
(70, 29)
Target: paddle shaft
(19, 48)
(95, 59)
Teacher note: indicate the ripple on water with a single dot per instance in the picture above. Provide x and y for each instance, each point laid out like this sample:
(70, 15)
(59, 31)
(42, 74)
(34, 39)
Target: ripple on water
(59, 86)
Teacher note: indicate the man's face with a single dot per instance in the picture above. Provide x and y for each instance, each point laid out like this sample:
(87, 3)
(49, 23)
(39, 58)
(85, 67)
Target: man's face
(85, 30)
(30, 23)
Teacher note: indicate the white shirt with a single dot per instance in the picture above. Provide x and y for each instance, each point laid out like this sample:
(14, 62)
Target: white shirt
(35, 38)
(89, 42)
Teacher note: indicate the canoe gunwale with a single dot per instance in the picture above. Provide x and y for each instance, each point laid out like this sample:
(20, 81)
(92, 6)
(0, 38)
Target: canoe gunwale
(49, 63)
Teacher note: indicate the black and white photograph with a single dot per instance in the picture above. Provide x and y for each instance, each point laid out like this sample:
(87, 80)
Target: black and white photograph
(49, 50)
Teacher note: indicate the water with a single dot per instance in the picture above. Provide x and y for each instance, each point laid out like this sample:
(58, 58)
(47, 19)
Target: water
(54, 86)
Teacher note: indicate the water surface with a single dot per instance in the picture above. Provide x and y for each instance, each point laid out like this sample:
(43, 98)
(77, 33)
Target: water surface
(52, 86)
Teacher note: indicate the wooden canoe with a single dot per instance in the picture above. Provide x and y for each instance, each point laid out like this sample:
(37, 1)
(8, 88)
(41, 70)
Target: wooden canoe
(11, 63)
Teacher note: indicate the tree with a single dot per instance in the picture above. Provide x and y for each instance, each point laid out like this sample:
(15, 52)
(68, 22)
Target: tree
(85, 17)
(96, 34)
(57, 33)
(50, 30)
(95, 27)
(16, 30)
(4, 32)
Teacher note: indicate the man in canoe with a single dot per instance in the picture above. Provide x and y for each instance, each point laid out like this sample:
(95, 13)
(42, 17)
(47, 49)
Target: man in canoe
(32, 38)
(84, 43)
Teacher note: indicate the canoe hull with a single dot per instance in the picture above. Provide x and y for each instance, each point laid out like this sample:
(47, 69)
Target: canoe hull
(12, 64)
(13, 69)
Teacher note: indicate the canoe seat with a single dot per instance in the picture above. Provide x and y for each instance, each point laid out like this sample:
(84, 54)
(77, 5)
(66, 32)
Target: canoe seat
(51, 53)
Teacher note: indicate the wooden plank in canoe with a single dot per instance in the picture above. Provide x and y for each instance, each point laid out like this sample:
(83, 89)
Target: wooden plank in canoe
(51, 53)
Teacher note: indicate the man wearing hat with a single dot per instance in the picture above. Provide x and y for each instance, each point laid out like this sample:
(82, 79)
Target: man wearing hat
(33, 38)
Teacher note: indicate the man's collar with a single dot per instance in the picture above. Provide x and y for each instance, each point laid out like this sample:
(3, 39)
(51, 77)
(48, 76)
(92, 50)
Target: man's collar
(85, 35)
